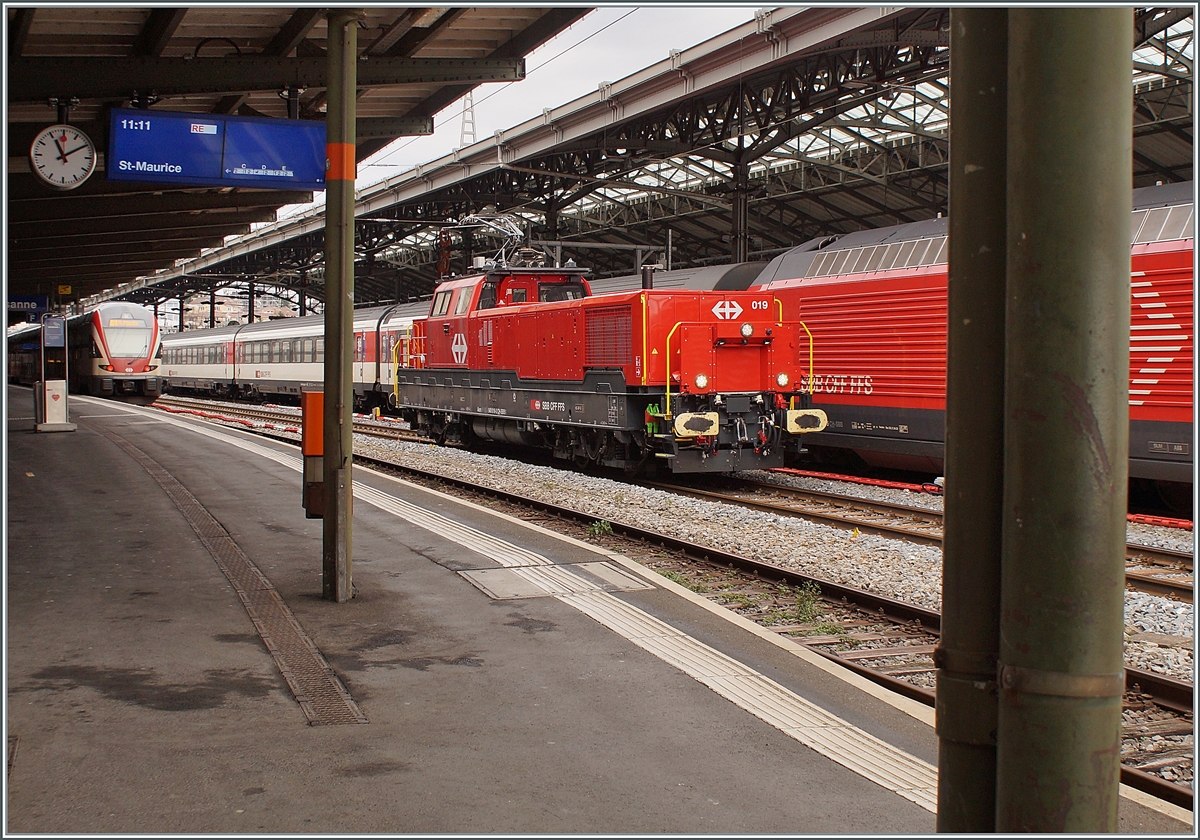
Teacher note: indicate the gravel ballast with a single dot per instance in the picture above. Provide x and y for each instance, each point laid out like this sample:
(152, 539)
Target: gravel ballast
(1159, 631)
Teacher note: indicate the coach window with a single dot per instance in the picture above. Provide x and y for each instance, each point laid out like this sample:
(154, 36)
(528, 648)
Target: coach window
(296, 344)
(308, 349)
(441, 303)
(320, 350)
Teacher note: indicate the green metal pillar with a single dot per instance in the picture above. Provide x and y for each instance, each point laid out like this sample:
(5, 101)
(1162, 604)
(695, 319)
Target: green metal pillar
(1066, 423)
(337, 553)
(966, 656)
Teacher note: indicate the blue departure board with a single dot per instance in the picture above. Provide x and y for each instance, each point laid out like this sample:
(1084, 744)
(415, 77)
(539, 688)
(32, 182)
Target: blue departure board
(171, 147)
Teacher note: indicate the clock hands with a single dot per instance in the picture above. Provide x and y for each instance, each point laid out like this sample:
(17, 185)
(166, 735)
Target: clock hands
(64, 155)
(61, 142)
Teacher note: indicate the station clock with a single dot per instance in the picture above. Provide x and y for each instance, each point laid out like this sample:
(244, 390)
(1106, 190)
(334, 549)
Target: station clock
(62, 157)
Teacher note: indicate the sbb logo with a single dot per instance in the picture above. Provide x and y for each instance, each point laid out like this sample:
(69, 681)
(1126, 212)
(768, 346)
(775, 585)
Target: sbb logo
(727, 310)
(536, 405)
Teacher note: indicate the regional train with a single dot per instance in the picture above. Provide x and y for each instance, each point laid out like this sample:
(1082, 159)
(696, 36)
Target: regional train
(113, 350)
(693, 381)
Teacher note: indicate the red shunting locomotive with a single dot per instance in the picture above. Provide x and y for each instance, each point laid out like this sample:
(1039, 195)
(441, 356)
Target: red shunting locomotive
(522, 353)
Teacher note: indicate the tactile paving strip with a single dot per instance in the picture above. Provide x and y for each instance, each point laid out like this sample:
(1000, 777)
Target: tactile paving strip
(314, 684)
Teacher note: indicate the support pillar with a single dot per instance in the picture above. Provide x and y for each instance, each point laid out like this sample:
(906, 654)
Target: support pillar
(740, 209)
(301, 296)
(1066, 419)
(468, 247)
(181, 308)
(974, 470)
(337, 547)
(212, 308)
(250, 303)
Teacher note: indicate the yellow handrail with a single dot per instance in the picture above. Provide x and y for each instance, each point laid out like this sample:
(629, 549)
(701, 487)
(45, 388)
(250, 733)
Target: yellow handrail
(396, 370)
(780, 322)
(811, 377)
(645, 342)
(667, 360)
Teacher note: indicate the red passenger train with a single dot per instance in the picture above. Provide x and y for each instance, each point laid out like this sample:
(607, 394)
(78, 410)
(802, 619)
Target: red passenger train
(522, 353)
(878, 301)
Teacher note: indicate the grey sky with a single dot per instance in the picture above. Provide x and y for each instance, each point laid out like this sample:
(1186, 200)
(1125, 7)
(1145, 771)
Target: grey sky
(606, 45)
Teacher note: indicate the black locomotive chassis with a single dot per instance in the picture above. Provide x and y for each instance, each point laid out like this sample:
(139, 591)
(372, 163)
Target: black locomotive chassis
(601, 403)
(1160, 451)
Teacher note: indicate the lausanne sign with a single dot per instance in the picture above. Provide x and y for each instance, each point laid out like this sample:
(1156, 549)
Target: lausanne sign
(215, 150)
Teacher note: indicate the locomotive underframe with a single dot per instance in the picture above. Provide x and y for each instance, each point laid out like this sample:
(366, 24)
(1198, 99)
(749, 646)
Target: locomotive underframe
(600, 420)
(908, 438)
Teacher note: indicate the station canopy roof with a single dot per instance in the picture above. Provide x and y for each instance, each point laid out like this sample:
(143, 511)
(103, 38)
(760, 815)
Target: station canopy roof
(216, 60)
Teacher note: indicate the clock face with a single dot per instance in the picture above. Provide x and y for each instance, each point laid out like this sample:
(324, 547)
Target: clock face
(63, 157)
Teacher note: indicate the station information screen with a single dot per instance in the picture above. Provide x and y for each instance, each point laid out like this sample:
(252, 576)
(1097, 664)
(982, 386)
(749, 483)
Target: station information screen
(215, 150)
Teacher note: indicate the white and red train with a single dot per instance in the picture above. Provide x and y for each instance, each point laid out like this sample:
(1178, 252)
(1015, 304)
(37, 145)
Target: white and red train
(113, 350)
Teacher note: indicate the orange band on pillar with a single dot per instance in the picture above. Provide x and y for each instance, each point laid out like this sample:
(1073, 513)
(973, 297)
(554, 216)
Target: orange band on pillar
(341, 162)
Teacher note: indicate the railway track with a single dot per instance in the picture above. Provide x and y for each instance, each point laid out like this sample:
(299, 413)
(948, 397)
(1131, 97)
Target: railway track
(887, 641)
(1158, 571)
(281, 419)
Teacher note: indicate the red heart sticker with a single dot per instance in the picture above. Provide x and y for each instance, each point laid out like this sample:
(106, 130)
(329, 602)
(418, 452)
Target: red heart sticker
(55, 397)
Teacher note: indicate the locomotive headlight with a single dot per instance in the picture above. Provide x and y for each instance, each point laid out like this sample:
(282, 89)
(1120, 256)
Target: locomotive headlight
(701, 380)
(782, 380)
(747, 330)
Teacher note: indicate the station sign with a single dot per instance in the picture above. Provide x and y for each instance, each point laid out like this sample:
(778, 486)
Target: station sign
(215, 150)
(30, 304)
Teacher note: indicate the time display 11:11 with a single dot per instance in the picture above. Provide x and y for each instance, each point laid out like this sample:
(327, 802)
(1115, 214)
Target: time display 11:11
(135, 125)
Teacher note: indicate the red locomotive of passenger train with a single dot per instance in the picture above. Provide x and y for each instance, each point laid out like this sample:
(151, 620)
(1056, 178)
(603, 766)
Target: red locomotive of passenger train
(522, 353)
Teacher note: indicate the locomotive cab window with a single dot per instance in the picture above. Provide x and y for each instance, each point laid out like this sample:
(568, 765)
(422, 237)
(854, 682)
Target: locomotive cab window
(550, 292)
(441, 304)
(464, 301)
(487, 296)
(516, 295)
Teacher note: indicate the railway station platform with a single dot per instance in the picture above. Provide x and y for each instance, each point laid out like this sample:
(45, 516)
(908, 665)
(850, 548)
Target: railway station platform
(172, 667)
